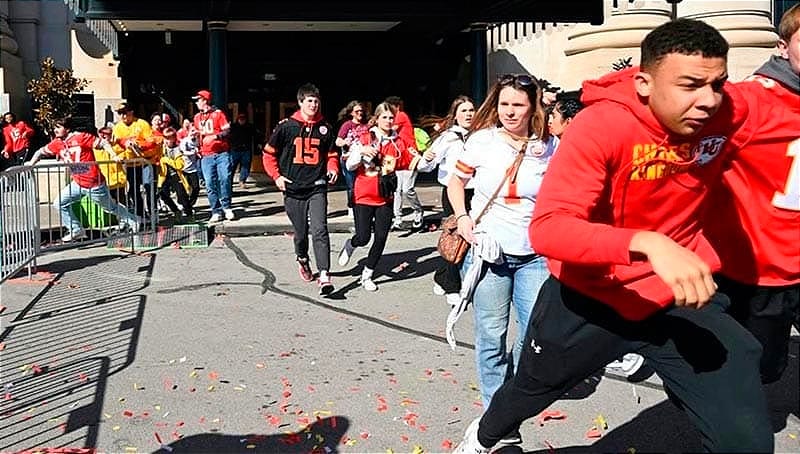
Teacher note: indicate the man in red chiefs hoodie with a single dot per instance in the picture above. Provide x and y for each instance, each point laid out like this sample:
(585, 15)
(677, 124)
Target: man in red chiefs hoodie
(618, 216)
(754, 221)
(300, 157)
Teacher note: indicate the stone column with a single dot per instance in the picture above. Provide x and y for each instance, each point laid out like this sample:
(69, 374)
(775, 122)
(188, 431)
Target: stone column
(218, 62)
(12, 80)
(746, 24)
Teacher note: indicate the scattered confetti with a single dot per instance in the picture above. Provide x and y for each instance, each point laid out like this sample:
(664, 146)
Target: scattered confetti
(600, 421)
(447, 444)
(593, 433)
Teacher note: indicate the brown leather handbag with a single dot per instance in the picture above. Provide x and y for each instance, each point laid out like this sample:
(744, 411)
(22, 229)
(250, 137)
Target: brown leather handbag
(452, 246)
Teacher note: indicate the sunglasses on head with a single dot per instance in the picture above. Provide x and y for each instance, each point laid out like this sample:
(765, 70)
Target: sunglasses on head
(522, 80)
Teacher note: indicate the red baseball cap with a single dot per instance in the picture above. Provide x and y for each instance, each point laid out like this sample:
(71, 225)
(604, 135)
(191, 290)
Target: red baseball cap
(205, 94)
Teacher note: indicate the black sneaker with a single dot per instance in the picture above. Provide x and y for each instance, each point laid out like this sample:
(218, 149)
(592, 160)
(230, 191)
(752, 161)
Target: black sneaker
(304, 268)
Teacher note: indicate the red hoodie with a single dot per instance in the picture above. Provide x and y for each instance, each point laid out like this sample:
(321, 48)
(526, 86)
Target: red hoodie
(617, 172)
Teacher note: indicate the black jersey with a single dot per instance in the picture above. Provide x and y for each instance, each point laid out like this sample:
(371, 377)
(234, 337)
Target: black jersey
(302, 150)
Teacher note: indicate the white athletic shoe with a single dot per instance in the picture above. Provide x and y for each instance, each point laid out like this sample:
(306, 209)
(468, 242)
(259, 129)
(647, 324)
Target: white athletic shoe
(469, 444)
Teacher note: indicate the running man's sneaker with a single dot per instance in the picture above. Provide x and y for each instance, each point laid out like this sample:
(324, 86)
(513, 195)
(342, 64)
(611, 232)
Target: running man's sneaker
(397, 224)
(512, 439)
(438, 290)
(74, 236)
(469, 444)
(216, 217)
(627, 365)
(417, 224)
(325, 285)
(304, 268)
(229, 214)
(368, 284)
(346, 253)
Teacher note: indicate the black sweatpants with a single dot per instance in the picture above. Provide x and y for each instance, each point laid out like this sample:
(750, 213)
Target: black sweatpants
(173, 183)
(365, 217)
(704, 356)
(768, 313)
(315, 208)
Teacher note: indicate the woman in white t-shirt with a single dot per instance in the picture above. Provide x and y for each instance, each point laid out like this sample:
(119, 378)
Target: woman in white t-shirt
(512, 119)
(449, 138)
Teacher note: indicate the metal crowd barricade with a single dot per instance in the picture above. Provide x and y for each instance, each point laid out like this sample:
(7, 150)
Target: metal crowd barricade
(19, 222)
(131, 191)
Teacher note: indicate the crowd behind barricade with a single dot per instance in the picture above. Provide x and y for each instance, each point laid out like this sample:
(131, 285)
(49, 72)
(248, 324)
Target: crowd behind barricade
(589, 214)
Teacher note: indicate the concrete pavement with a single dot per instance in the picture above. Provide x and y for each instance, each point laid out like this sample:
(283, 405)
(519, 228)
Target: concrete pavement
(224, 349)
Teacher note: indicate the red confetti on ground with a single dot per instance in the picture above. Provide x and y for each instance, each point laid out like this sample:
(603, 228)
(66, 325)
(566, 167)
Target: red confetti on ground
(202, 420)
(36, 369)
(179, 424)
(549, 446)
(454, 409)
(550, 414)
(214, 376)
(7, 396)
(393, 380)
(287, 393)
(274, 420)
(158, 438)
(422, 428)
(364, 435)
(354, 389)
(63, 427)
(168, 385)
(447, 445)
(2, 346)
(428, 372)
(191, 390)
(127, 414)
(311, 389)
(285, 354)
(303, 421)
(404, 438)
(594, 433)
(83, 377)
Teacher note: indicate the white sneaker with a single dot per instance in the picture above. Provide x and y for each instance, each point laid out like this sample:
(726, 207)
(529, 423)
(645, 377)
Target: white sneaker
(229, 214)
(350, 213)
(74, 236)
(453, 299)
(216, 217)
(626, 366)
(417, 220)
(469, 444)
(346, 253)
(438, 290)
(368, 284)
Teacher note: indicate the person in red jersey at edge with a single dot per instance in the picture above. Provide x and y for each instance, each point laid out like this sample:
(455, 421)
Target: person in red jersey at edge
(754, 218)
(213, 127)
(17, 135)
(77, 148)
(619, 218)
(300, 157)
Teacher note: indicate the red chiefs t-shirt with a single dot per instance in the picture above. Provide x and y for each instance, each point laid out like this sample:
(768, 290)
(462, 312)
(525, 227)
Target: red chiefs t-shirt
(754, 218)
(77, 148)
(212, 123)
(365, 189)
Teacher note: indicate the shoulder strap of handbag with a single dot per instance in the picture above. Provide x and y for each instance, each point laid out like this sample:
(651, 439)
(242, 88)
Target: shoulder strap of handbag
(509, 171)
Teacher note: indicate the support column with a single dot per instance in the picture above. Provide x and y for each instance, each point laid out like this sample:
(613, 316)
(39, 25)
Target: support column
(478, 56)
(218, 62)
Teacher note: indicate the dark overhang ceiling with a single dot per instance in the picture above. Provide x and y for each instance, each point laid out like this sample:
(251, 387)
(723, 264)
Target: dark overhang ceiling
(404, 14)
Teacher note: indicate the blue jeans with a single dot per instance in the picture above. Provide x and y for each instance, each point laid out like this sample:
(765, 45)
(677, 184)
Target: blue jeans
(241, 158)
(217, 173)
(350, 181)
(99, 195)
(514, 282)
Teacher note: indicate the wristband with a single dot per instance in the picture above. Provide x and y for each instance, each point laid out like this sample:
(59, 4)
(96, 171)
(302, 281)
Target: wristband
(461, 216)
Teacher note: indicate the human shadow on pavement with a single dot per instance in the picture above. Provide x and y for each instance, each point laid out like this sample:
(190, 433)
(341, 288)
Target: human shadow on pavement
(661, 428)
(59, 351)
(323, 436)
(394, 267)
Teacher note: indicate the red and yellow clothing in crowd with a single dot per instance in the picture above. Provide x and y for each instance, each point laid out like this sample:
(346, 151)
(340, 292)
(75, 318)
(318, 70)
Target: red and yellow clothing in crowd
(17, 138)
(211, 124)
(139, 133)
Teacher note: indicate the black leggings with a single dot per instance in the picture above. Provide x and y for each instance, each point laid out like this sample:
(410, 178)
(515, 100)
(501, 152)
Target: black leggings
(708, 361)
(365, 217)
